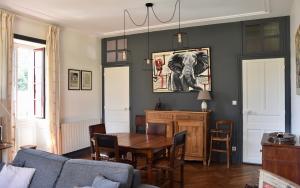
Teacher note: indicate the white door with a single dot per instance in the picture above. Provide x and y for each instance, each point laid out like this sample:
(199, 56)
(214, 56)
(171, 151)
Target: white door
(263, 103)
(116, 99)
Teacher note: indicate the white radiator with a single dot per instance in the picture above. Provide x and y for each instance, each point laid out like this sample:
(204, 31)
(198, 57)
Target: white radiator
(75, 135)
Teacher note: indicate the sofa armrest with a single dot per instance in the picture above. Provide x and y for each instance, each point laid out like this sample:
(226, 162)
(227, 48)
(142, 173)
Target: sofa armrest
(136, 180)
(1, 165)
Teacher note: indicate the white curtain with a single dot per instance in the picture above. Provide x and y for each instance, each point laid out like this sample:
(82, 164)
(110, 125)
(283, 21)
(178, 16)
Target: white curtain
(7, 79)
(52, 87)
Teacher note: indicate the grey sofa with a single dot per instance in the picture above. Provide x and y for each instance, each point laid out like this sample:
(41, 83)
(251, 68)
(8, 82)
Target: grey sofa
(54, 171)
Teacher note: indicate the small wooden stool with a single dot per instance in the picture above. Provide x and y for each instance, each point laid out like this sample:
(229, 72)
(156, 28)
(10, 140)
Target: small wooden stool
(28, 147)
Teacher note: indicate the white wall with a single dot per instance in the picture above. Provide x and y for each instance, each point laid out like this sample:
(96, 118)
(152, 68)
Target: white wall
(295, 99)
(31, 28)
(77, 51)
(81, 52)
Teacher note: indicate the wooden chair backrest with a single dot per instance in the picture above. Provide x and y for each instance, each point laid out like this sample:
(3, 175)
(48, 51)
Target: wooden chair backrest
(156, 129)
(98, 128)
(140, 120)
(107, 143)
(178, 148)
(225, 125)
(140, 123)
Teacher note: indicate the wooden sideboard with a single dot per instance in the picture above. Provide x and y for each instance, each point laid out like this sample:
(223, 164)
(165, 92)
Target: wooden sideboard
(195, 123)
(283, 160)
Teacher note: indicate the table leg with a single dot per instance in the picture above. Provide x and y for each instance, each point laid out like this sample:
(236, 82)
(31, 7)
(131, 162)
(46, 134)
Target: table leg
(149, 167)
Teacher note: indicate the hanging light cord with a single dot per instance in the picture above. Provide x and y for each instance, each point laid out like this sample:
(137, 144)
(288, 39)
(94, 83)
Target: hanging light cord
(148, 33)
(155, 15)
(171, 18)
(136, 24)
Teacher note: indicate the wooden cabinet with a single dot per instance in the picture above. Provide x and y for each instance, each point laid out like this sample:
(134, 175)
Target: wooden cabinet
(283, 160)
(195, 123)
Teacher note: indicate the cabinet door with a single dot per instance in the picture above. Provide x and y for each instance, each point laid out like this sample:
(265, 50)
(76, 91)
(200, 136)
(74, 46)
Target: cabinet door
(194, 141)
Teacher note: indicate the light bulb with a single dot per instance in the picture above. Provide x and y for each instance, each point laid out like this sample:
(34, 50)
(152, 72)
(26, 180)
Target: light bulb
(124, 55)
(179, 38)
(148, 61)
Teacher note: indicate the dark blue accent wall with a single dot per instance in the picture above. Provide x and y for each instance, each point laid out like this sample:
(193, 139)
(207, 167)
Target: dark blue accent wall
(225, 42)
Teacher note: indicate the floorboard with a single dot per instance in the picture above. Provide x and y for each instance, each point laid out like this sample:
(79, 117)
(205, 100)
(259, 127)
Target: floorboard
(215, 176)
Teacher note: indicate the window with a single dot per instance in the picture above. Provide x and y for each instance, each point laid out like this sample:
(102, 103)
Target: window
(263, 37)
(29, 59)
(115, 49)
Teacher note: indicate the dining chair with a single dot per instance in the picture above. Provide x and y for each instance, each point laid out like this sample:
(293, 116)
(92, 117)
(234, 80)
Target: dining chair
(173, 161)
(159, 129)
(153, 128)
(222, 134)
(98, 128)
(105, 143)
(156, 129)
(140, 124)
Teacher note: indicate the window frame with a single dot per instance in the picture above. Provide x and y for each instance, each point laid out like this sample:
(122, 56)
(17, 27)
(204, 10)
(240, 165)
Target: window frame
(42, 42)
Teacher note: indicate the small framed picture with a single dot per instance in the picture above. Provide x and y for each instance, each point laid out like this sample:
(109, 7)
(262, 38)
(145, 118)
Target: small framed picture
(73, 79)
(86, 80)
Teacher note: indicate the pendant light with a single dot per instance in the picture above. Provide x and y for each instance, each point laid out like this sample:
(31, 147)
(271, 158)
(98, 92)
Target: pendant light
(149, 59)
(180, 39)
(125, 52)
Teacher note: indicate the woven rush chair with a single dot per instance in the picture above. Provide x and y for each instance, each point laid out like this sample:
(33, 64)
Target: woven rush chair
(222, 134)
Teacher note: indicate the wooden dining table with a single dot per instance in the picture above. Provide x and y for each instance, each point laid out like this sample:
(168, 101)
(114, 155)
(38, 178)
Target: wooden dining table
(145, 144)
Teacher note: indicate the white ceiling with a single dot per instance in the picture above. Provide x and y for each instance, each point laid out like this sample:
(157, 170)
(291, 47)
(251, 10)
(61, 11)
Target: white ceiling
(105, 17)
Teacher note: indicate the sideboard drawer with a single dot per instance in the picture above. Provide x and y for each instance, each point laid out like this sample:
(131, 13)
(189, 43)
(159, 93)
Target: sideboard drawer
(191, 116)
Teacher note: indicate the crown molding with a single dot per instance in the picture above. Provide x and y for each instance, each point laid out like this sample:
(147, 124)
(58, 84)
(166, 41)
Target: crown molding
(266, 10)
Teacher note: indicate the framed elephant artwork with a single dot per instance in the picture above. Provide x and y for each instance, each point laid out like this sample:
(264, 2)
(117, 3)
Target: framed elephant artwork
(182, 71)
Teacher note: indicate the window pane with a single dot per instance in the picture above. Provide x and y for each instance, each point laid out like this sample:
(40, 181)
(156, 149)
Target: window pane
(253, 31)
(253, 46)
(122, 43)
(24, 61)
(271, 44)
(111, 45)
(271, 29)
(111, 57)
(39, 94)
(121, 56)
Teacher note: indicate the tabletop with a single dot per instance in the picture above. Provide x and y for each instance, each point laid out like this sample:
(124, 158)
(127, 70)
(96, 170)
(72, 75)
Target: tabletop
(142, 141)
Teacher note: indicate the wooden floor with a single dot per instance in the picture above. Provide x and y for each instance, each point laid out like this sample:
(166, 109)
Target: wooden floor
(215, 176)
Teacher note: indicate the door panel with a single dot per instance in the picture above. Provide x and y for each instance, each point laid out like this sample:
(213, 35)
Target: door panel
(263, 103)
(25, 133)
(116, 99)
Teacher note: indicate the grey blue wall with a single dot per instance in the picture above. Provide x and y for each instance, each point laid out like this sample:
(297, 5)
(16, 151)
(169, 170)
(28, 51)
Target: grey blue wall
(225, 41)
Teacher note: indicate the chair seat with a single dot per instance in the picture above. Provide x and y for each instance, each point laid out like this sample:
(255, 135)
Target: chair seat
(219, 138)
(164, 163)
(104, 155)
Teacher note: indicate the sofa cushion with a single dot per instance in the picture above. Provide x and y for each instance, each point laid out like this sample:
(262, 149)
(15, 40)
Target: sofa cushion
(15, 177)
(79, 172)
(48, 166)
(102, 182)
